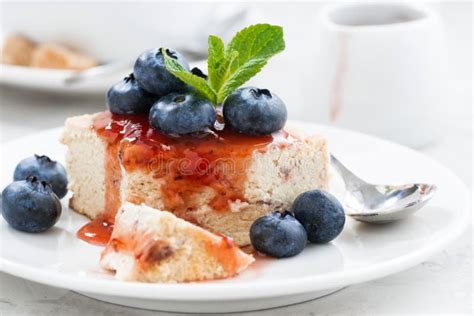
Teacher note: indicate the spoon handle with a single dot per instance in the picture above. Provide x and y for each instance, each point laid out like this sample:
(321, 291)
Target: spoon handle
(351, 180)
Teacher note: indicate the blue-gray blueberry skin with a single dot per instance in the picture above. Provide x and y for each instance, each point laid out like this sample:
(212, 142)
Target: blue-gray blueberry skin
(182, 113)
(321, 214)
(254, 111)
(45, 169)
(151, 72)
(30, 205)
(128, 97)
(278, 235)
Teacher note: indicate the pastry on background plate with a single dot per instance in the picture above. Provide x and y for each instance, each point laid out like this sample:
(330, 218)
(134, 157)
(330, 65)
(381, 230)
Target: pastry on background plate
(57, 56)
(21, 51)
(17, 50)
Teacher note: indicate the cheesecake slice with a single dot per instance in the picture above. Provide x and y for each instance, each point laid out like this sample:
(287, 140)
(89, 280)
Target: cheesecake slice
(219, 180)
(149, 245)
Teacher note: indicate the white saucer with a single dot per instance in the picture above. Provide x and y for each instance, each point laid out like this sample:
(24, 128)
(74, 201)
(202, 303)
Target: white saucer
(359, 254)
(52, 80)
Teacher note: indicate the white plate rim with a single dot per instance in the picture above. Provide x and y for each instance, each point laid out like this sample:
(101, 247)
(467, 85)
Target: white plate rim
(229, 291)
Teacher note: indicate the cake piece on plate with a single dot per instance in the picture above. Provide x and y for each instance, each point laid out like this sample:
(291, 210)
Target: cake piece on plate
(149, 245)
(220, 180)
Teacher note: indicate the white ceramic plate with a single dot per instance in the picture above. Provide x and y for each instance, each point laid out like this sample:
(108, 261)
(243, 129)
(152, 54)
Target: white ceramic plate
(359, 254)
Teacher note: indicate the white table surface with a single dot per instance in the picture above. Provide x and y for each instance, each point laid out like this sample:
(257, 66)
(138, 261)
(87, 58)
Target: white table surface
(442, 284)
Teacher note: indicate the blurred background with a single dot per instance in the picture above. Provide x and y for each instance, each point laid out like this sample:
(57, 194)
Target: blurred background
(401, 71)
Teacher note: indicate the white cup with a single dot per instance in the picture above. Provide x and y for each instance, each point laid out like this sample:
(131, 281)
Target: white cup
(381, 70)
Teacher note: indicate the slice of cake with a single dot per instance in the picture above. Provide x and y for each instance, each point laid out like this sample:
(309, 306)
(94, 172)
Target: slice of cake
(218, 179)
(149, 245)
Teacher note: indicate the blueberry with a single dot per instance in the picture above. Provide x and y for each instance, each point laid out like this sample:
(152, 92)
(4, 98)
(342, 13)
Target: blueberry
(321, 215)
(151, 72)
(30, 205)
(182, 113)
(198, 72)
(127, 97)
(44, 169)
(254, 111)
(278, 235)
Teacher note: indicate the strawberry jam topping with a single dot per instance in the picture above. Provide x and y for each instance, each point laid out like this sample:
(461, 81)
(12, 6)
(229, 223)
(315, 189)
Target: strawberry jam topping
(187, 165)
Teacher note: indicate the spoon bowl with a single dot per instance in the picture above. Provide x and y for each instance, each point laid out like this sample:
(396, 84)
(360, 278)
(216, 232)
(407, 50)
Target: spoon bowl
(372, 203)
(389, 203)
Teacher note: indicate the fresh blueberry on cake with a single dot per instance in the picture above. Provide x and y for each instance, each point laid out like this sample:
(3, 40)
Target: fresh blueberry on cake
(254, 111)
(128, 97)
(45, 169)
(182, 113)
(152, 74)
(150, 245)
(30, 205)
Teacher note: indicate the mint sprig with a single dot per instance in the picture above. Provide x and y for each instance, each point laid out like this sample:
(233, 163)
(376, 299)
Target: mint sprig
(188, 77)
(231, 66)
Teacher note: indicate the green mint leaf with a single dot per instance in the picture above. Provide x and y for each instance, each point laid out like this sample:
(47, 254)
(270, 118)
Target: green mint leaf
(244, 57)
(239, 77)
(231, 66)
(224, 71)
(198, 83)
(257, 41)
(215, 58)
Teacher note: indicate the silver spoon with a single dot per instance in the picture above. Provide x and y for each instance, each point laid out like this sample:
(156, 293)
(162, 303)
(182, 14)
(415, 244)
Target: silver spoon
(379, 204)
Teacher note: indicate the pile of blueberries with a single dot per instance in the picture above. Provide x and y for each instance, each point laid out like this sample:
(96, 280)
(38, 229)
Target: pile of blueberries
(32, 202)
(176, 109)
(316, 216)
